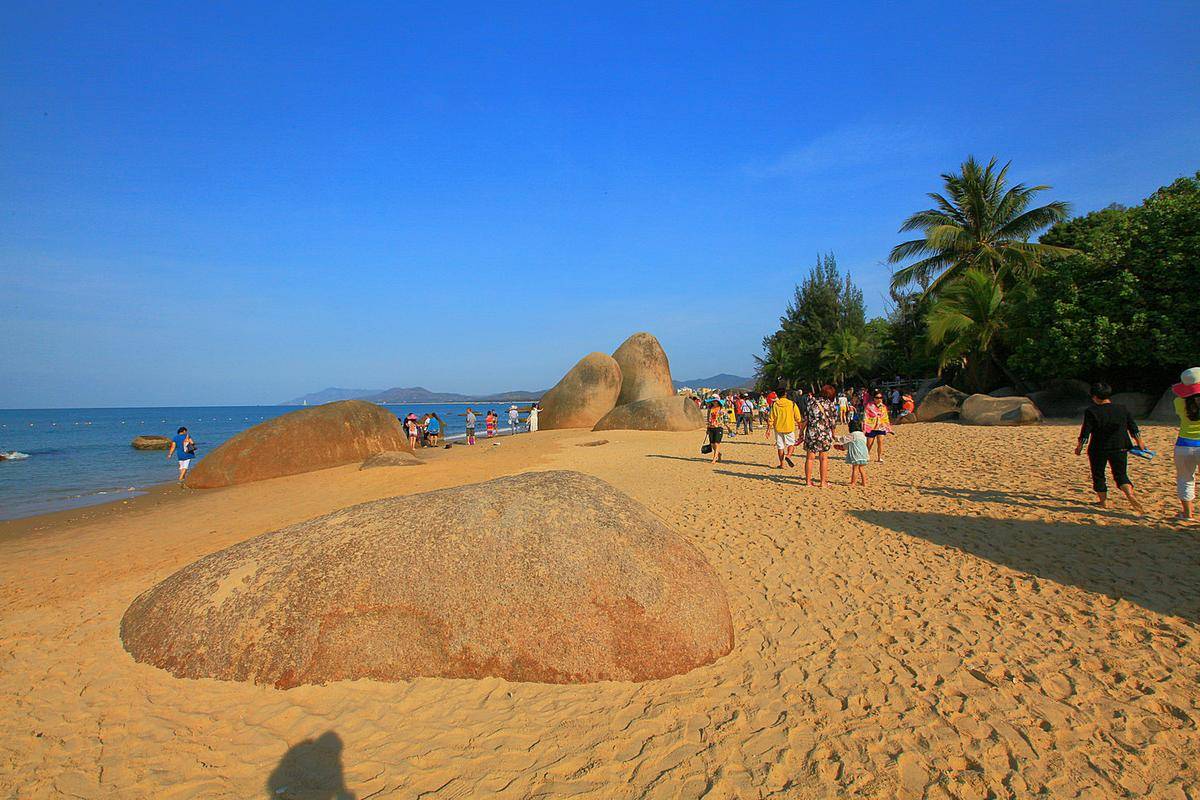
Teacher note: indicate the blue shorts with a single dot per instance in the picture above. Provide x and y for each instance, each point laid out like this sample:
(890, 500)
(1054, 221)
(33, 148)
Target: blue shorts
(873, 434)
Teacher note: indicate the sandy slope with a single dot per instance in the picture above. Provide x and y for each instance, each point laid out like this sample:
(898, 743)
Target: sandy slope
(966, 626)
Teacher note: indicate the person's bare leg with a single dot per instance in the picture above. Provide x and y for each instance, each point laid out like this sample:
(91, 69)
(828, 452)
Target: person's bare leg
(862, 475)
(1101, 499)
(782, 454)
(716, 453)
(808, 459)
(1187, 511)
(879, 449)
(823, 461)
(1127, 490)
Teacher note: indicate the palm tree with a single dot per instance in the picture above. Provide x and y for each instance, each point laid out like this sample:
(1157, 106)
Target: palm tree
(776, 365)
(979, 223)
(966, 321)
(845, 355)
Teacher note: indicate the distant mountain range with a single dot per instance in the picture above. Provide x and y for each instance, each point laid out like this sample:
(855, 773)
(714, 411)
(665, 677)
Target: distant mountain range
(419, 394)
(722, 381)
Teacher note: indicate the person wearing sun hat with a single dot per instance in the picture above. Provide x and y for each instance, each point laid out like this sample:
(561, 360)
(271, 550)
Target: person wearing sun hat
(1187, 446)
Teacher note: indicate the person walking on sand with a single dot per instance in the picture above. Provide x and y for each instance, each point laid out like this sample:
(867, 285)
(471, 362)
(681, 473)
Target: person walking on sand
(820, 417)
(876, 424)
(716, 427)
(857, 455)
(1107, 428)
(184, 448)
(1187, 445)
(782, 422)
(413, 429)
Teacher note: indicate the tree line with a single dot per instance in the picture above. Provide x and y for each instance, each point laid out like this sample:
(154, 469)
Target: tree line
(1111, 295)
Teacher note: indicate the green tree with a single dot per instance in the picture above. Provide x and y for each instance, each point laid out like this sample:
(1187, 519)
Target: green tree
(825, 303)
(846, 355)
(775, 367)
(1123, 307)
(966, 322)
(979, 222)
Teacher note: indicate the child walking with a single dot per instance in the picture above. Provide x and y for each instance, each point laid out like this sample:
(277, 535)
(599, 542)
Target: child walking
(857, 455)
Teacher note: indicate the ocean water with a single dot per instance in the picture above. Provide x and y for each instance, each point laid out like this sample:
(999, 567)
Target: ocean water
(81, 456)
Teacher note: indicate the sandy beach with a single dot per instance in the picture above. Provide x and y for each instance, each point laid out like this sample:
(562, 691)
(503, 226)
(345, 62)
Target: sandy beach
(967, 627)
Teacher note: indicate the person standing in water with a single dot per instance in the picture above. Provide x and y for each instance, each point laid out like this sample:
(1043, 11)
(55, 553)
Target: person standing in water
(1107, 428)
(184, 449)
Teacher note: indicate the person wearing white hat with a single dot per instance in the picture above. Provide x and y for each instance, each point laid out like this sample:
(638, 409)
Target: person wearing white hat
(1187, 446)
(513, 418)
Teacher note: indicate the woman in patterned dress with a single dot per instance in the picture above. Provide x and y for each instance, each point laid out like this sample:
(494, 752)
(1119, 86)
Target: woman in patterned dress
(820, 416)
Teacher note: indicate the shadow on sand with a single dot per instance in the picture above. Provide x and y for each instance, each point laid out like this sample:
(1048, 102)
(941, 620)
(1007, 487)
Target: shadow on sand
(1157, 569)
(705, 459)
(310, 770)
(1117, 507)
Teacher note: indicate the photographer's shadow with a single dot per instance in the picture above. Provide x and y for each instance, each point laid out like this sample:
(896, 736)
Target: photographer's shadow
(311, 770)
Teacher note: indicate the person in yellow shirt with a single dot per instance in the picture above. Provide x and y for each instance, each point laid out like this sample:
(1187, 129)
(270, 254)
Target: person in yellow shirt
(785, 423)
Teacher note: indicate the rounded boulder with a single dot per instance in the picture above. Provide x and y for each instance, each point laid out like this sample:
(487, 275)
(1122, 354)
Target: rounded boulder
(151, 443)
(585, 394)
(980, 409)
(312, 438)
(392, 458)
(553, 577)
(1138, 403)
(645, 371)
(941, 404)
(658, 414)
(1063, 398)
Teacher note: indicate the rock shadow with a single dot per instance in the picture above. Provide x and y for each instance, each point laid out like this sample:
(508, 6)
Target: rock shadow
(1155, 568)
(311, 770)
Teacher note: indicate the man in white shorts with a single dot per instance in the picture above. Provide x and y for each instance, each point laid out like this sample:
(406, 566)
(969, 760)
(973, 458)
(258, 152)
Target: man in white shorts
(785, 423)
(184, 450)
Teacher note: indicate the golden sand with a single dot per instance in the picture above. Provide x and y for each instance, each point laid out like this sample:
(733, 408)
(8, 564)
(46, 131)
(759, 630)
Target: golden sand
(965, 627)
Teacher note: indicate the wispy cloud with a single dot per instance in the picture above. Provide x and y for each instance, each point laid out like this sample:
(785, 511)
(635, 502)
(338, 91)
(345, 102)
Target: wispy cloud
(850, 147)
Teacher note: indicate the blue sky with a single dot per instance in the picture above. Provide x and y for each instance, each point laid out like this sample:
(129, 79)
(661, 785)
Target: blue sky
(239, 203)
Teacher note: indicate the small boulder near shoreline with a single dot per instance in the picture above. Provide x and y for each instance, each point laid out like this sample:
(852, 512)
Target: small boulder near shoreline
(658, 414)
(554, 577)
(151, 443)
(301, 441)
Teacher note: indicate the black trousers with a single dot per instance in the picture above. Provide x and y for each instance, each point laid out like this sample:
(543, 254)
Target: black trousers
(1117, 461)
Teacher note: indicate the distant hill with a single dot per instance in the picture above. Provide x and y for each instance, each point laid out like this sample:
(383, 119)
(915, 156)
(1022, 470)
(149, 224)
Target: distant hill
(413, 394)
(330, 395)
(722, 381)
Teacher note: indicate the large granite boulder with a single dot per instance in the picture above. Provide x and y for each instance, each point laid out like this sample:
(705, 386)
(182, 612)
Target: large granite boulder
(1164, 409)
(941, 404)
(301, 441)
(980, 409)
(585, 394)
(151, 443)
(392, 458)
(1138, 403)
(1063, 399)
(658, 414)
(645, 372)
(926, 386)
(1004, 391)
(554, 577)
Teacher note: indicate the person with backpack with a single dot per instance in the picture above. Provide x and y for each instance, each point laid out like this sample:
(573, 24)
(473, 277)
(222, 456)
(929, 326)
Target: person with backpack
(184, 448)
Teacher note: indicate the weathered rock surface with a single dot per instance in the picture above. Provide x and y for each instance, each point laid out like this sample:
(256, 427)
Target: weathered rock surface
(585, 394)
(658, 414)
(547, 576)
(151, 443)
(301, 441)
(1164, 409)
(1004, 391)
(979, 409)
(941, 404)
(1138, 403)
(645, 371)
(392, 458)
(1063, 399)
(927, 386)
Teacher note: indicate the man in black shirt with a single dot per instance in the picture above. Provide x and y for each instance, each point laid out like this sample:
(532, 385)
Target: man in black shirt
(1106, 430)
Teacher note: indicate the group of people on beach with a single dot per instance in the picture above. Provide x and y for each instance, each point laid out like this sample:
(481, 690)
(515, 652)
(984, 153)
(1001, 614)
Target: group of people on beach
(795, 418)
(1110, 434)
(491, 421)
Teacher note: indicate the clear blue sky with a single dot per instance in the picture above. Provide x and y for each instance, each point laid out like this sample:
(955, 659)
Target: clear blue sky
(239, 203)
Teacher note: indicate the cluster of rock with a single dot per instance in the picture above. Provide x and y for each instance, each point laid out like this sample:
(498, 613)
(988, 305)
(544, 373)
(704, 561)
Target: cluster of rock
(552, 576)
(1061, 399)
(146, 442)
(629, 390)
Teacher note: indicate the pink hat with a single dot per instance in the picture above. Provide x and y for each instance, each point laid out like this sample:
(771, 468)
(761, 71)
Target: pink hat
(1189, 383)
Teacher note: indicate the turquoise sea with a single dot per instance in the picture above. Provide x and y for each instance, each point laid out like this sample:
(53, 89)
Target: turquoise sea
(71, 457)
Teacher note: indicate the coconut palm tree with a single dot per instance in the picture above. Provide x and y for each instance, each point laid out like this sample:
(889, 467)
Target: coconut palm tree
(845, 355)
(978, 223)
(966, 322)
(776, 366)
